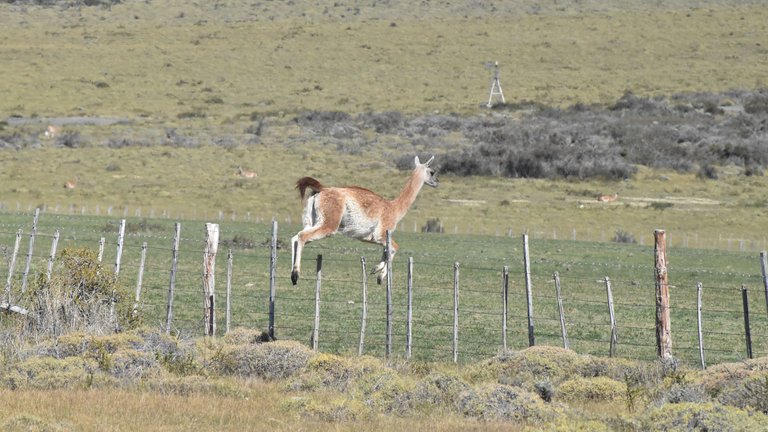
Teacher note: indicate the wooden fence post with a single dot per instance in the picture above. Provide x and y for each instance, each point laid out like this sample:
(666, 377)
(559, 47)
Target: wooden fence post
(409, 313)
(504, 305)
(663, 325)
(32, 235)
(12, 266)
(139, 279)
(563, 330)
(52, 257)
(272, 286)
(747, 332)
(388, 264)
(102, 242)
(318, 282)
(229, 291)
(456, 312)
(764, 270)
(364, 318)
(209, 278)
(172, 284)
(120, 239)
(700, 325)
(614, 335)
(528, 291)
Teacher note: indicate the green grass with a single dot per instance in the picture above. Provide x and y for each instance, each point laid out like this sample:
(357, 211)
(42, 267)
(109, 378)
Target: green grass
(582, 267)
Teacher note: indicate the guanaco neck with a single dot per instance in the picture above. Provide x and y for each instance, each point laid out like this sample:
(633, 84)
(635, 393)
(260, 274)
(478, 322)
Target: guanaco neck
(407, 196)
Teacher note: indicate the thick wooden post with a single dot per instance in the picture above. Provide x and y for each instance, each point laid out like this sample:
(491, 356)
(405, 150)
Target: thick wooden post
(272, 285)
(456, 312)
(747, 331)
(409, 313)
(120, 240)
(700, 326)
(614, 336)
(563, 329)
(209, 278)
(172, 284)
(504, 305)
(52, 257)
(528, 291)
(364, 317)
(663, 325)
(32, 235)
(318, 283)
(139, 279)
(12, 267)
(229, 290)
(388, 263)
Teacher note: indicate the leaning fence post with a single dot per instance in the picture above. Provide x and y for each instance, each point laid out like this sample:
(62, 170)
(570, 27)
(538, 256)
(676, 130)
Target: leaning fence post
(504, 305)
(12, 266)
(364, 317)
(409, 313)
(32, 235)
(614, 336)
(455, 312)
(529, 295)
(318, 283)
(172, 284)
(139, 279)
(229, 290)
(663, 325)
(747, 332)
(388, 264)
(209, 278)
(120, 239)
(764, 269)
(563, 329)
(272, 271)
(52, 257)
(700, 325)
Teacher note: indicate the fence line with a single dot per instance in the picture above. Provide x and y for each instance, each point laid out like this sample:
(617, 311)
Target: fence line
(427, 319)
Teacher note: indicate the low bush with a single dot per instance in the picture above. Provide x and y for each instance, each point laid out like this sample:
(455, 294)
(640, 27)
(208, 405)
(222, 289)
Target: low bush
(595, 389)
(702, 417)
(506, 403)
(270, 361)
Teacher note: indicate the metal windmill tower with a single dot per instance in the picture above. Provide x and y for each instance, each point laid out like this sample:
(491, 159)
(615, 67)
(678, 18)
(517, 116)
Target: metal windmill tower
(495, 84)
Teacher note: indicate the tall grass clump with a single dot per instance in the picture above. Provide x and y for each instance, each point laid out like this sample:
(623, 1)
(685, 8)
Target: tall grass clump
(81, 296)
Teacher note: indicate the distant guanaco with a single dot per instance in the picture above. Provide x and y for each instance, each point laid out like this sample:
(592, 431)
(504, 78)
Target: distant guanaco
(71, 183)
(608, 198)
(245, 173)
(52, 131)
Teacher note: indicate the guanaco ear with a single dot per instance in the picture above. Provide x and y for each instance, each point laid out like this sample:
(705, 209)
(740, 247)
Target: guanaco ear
(430, 161)
(416, 161)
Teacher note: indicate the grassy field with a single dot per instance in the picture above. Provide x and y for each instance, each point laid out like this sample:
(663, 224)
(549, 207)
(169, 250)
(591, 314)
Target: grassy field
(196, 83)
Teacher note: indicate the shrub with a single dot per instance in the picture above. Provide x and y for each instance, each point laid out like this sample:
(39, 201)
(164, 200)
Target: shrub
(501, 402)
(80, 296)
(433, 226)
(383, 123)
(622, 236)
(750, 392)
(273, 360)
(702, 417)
(69, 139)
(598, 388)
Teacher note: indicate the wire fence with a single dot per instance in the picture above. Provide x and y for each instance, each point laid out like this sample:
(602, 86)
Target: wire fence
(582, 268)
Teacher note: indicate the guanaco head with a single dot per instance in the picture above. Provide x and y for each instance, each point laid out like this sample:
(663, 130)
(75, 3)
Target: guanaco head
(428, 175)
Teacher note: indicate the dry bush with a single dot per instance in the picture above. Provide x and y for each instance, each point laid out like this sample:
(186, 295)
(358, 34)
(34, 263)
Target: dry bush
(702, 417)
(596, 389)
(501, 402)
(273, 360)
